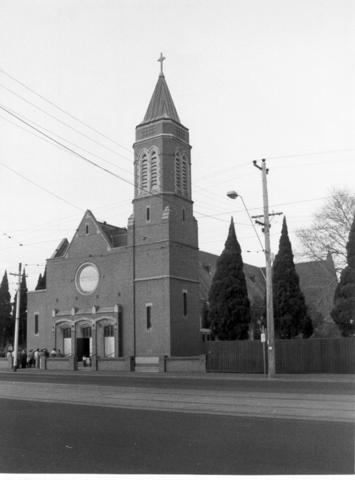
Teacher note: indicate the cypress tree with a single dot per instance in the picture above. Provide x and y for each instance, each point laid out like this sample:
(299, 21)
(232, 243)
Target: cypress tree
(343, 312)
(6, 324)
(290, 311)
(229, 312)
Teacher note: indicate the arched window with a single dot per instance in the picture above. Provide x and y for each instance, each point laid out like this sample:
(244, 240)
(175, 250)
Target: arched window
(177, 174)
(109, 341)
(184, 175)
(144, 167)
(148, 169)
(181, 174)
(154, 173)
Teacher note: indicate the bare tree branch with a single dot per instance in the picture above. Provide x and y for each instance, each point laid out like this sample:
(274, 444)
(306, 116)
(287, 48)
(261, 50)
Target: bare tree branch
(330, 229)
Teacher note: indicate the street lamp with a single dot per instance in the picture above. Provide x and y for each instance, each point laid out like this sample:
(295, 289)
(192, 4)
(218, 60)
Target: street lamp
(268, 280)
(233, 195)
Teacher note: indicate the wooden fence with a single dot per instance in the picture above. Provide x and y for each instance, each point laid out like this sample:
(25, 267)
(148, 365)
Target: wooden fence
(316, 355)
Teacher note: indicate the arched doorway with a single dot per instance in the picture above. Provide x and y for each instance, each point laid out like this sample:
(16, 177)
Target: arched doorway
(107, 337)
(84, 347)
(64, 337)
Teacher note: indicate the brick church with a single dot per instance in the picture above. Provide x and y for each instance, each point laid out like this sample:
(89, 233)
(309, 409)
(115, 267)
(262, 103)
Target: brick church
(141, 291)
(120, 292)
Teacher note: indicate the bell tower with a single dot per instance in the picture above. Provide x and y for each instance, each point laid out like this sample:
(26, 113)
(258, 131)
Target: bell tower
(164, 233)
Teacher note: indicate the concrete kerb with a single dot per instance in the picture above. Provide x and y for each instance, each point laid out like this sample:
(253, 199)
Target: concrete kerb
(329, 378)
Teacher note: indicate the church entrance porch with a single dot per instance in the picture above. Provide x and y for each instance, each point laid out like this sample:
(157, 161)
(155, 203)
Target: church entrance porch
(82, 348)
(88, 340)
(84, 344)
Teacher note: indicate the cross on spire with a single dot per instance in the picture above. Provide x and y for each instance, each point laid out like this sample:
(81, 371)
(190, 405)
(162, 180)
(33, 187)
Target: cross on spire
(161, 60)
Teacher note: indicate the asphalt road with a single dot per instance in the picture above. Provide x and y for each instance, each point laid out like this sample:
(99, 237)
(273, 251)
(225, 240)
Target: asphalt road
(162, 381)
(41, 437)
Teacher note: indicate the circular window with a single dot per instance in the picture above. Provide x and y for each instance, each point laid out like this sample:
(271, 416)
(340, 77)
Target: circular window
(87, 278)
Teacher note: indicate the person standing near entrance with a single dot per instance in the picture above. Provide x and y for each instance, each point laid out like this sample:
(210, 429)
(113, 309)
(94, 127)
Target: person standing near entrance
(23, 358)
(36, 357)
(30, 359)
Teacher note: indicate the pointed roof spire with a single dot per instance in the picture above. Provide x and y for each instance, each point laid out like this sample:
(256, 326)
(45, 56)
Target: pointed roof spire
(161, 104)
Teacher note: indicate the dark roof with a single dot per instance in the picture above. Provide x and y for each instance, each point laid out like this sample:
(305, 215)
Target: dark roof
(253, 275)
(161, 104)
(61, 249)
(318, 282)
(116, 236)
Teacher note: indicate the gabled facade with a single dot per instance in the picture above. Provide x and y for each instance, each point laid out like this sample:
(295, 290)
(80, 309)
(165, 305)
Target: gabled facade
(87, 288)
(121, 292)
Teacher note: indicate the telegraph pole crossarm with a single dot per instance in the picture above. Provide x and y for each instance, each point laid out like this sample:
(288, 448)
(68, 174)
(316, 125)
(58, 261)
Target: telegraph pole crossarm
(270, 215)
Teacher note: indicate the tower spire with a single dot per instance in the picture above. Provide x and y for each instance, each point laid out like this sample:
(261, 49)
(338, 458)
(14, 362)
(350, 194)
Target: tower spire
(161, 60)
(161, 105)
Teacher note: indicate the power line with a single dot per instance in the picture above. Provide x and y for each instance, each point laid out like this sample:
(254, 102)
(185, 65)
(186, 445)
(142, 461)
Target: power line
(105, 169)
(50, 102)
(62, 138)
(63, 123)
(62, 145)
(86, 136)
(230, 212)
(217, 172)
(40, 186)
(309, 154)
(69, 219)
(53, 104)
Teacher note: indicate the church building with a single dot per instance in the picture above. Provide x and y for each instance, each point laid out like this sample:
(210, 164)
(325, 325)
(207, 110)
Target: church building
(114, 292)
(128, 297)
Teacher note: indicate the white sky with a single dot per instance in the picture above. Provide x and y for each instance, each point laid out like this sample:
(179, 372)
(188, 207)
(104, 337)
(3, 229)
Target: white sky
(249, 78)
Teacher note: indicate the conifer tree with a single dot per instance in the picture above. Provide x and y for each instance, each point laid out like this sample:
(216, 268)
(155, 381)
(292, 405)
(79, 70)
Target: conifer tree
(229, 312)
(6, 324)
(343, 311)
(290, 311)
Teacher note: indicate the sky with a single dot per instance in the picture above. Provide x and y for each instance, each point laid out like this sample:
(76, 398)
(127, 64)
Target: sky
(251, 79)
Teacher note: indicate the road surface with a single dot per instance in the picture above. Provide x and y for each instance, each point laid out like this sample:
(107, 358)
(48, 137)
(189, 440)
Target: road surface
(53, 423)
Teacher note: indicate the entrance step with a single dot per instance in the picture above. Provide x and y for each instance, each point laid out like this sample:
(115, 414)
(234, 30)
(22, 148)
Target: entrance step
(147, 364)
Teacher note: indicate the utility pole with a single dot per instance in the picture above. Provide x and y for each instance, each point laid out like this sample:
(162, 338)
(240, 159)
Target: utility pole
(269, 300)
(17, 317)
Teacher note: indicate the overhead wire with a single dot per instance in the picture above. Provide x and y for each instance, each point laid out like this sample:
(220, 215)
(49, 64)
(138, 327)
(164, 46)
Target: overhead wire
(212, 174)
(75, 118)
(309, 154)
(32, 122)
(63, 123)
(15, 115)
(99, 166)
(58, 197)
(66, 112)
(42, 97)
(74, 152)
(116, 153)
